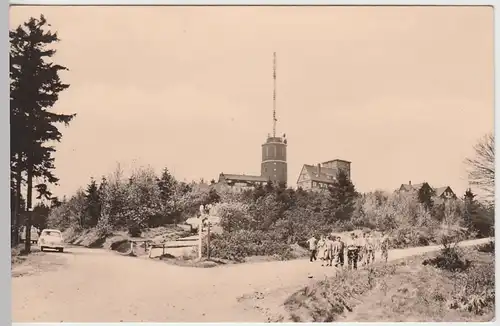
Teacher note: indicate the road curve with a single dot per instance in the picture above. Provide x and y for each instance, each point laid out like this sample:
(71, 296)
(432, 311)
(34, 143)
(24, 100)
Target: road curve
(102, 286)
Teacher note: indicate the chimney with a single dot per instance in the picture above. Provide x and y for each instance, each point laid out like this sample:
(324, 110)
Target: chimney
(319, 169)
(409, 182)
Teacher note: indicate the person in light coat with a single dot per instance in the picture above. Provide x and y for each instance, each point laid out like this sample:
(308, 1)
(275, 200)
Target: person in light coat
(322, 249)
(369, 249)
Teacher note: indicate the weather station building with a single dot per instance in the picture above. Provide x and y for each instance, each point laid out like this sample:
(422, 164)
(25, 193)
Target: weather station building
(273, 164)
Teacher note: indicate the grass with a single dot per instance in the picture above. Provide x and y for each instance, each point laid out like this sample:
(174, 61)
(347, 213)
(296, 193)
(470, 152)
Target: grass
(401, 291)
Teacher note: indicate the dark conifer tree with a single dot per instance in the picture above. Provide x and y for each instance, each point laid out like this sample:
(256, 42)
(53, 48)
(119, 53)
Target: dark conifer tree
(342, 197)
(34, 89)
(92, 204)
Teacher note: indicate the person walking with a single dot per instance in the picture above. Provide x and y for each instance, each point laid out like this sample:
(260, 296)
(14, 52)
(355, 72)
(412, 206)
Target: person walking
(340, 255)
(335, 251)
(313, 249)
(352, 252)
(362, 249)
(384, 247)
(330, 250)
(322, 249)
(369, 249)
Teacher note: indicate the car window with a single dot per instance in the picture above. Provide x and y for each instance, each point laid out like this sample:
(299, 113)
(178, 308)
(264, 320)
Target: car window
(52, 233)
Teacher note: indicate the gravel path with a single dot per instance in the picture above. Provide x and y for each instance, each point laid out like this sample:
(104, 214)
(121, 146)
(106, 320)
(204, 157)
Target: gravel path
(101, 286)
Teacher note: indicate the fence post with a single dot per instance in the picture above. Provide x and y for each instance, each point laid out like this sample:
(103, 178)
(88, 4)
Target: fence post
(208, 240)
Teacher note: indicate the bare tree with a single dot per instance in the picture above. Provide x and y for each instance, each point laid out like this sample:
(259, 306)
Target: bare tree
(482, 166)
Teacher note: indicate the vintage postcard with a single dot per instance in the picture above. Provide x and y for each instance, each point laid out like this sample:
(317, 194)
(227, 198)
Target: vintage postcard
(252, 163)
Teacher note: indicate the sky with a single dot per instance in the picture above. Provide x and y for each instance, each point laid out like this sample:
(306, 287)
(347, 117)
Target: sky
(403, 93)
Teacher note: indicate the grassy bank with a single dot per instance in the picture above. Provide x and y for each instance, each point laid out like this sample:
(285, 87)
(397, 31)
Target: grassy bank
(410, 289)
(92, 238)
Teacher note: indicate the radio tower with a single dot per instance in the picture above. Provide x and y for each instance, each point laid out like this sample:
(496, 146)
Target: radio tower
(274, 95)
(274, 167)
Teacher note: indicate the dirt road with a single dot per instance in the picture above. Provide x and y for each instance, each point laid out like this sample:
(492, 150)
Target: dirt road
(101, 286)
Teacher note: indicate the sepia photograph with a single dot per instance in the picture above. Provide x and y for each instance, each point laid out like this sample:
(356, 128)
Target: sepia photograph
(252, 163)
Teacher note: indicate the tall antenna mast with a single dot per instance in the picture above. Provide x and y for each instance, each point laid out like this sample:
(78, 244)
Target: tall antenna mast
(274, 95)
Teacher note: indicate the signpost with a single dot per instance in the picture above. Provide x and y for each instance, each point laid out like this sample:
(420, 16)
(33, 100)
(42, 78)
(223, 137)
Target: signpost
(208, 239)
(200, 233)
(205, 219)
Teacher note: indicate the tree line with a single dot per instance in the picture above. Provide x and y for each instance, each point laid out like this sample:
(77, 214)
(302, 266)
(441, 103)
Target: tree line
(142, 200)
(269, 218)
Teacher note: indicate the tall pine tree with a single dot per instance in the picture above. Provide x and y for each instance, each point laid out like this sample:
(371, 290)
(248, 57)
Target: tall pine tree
(92, 204)
(342, 197)
(34, 88)
(167, 184)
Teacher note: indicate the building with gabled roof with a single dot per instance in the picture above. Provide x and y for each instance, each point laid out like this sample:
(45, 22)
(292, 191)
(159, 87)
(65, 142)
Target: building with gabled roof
(320, 176)
(443, 193)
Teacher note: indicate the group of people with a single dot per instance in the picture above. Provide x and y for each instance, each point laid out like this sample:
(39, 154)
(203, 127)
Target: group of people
(331, 250)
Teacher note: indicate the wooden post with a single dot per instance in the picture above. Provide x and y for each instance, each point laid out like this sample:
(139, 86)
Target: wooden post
(131, 247)
(200, 227)
(200, 243)
(208, 240)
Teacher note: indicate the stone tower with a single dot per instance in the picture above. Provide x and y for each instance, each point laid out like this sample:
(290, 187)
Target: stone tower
(273, 166)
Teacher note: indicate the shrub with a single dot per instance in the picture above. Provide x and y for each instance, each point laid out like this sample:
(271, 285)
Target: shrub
(233, 216)
(450, 259)
(104, 227)
(240, 244)
(488, 247)
(474, 290)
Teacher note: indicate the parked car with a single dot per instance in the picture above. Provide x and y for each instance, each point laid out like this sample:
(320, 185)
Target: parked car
(34, 234)
(51, 239)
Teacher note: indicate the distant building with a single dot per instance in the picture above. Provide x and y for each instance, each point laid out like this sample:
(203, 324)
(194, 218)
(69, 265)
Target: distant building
(441, 192)
(240, 182)
(319, 177)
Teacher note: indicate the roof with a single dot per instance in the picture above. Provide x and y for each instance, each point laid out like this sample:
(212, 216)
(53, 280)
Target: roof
(418, 186)
(243, 177)
(414, 187)
(406, 187)
(410, 187)
(323, 177)
(439, 191)
(336, 160)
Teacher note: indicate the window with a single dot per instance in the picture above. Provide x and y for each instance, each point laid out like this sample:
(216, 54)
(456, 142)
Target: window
(52, 233)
